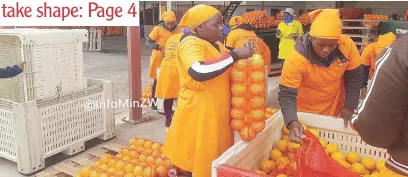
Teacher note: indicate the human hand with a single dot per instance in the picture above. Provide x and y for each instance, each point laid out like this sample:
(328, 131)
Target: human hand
(296, 132)
(363, 93)
(244, 52)
(21, 65)
(346, 114)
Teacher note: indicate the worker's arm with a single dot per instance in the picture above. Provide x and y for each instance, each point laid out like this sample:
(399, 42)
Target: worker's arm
(380, 118)
(9, 72)
(353, 77)
(193, 58)
(279, 31)
(153, 36)
(290, 80)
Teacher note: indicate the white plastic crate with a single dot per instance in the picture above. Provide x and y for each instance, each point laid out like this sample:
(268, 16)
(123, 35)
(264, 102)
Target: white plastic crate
(34, 130)
(54, 62)
(248, 155)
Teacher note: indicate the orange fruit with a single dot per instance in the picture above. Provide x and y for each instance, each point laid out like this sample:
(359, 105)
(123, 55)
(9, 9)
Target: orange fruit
(162, 171)
(133, 141)
(338, 156)
(129, 175)
(257, 77)
(125, 152)
(240, 64)
(103, 175)
(134, 154)
(148, 151)
(103, 167)
(111, 162)
(291, 156)
(138, 170)
(256, 89)
(126, 159)
(285, 137)
(238, 89)
(275, 154)
(119, 165)
(133, 147)
(111, 170)
(292, 146)
(94, 173)
(85, 171)
(150, 160)
(353, 157)
(105, 159)
(283, 161)
(257, 126)
(285, 130)
(144, 164)
(247, 134)
(257, 115)
(149, 172)
(97, 164)
(237, 124)
(358, 168)
(281, 145)
(120, 173)
(142, 158)
(141, 141)
(156, 154)
(237, 113)
(238, 102)
(168, 164)
(159, 162)
(267, 166)
(238, 76)
(148, 144)
(257, 63)
(128, 168)
(134, 161)
(257, 102)
(156, 146)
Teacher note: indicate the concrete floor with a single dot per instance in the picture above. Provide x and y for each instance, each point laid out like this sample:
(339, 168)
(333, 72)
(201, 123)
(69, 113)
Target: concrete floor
(111, 64)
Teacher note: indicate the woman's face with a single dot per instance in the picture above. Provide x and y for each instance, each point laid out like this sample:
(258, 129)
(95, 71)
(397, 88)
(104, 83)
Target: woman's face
(211, 30)
(323, 47)
(170, 24)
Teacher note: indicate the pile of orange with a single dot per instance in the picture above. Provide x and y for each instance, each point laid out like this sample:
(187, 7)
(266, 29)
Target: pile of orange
(248, 97)
(375, 17)
(147, 93)
(305, 19)
(282, 157)
(260, 20)
(279, 16)
(351, 13)
(142, 158)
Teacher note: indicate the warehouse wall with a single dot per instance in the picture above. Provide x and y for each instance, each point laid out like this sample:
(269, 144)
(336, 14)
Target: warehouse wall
(380, 7)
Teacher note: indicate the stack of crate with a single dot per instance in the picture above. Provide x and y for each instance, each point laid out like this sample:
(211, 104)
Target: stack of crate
(44, 110)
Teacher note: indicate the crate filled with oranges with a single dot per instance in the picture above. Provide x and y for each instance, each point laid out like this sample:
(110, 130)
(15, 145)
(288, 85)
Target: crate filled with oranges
(271, 154)
(248, 97)
(140, 158)
(260, 20)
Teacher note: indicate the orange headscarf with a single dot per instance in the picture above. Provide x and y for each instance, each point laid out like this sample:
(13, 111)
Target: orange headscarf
(326, 24)
(169, 16)
(197, 15)
(235, 21)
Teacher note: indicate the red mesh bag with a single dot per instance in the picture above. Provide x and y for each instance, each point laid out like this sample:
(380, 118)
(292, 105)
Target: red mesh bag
(312, 161)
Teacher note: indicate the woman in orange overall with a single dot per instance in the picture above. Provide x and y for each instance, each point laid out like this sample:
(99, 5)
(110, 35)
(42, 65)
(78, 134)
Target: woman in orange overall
(369, 55)
(168, 82)
(323, 75)
(200, 130)
(157, 40)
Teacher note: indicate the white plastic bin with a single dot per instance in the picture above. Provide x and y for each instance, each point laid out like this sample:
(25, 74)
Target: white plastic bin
(34, 130)
(54, 62)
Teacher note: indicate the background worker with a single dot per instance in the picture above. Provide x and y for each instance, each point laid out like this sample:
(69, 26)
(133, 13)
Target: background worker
(288, 31)
(369, 55)
(168, 82)
(381, 120)
(323, 75)
(157, 40)
(241, 33)
(200, 130)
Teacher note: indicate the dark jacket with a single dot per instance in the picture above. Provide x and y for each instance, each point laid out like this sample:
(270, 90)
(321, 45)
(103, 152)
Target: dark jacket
(352, 79)
(382, 118)
(9, 72)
